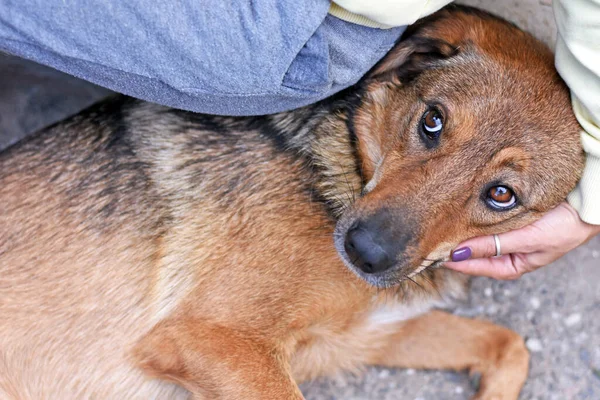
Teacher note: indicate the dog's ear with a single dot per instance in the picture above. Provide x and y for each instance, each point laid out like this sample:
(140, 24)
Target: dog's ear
(421, 47)
(410, 57)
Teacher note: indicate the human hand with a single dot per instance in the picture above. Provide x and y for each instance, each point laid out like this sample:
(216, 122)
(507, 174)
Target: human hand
(526, 249)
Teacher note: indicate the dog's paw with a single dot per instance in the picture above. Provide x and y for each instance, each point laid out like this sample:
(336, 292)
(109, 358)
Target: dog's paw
(504, 379)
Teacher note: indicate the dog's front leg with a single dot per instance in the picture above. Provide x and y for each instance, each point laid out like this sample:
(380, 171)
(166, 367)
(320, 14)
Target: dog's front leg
(438, 340)
(213, 362)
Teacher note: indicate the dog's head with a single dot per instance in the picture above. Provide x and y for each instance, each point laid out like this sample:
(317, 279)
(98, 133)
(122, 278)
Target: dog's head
(465, 129)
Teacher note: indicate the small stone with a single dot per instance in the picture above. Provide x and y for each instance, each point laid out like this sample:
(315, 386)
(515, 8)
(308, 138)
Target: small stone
(534, 345)
(535, 303)
(595, 254)
(582, 337)
(573, 319)
(458, 390)
(492, 310)
(585, 356)
(555, 315)
(410, 371)
(507, 293)
(530, 315)
(488, 292)
(384, 373)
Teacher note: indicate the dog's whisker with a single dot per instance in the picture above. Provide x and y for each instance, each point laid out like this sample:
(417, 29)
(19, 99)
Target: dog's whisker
(416, 283)
(431, 284)
(351, 193)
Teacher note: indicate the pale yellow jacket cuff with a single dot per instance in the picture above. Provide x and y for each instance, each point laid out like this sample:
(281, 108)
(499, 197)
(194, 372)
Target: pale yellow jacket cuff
(586, 196)
(578, 62)
(384, 14)
(354, 18)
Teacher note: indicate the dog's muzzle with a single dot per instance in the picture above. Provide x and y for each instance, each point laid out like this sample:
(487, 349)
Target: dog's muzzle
(365, 251)
(374, 245)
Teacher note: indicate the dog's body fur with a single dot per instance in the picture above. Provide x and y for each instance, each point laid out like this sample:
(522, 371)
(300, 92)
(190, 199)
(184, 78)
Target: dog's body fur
(142, 241)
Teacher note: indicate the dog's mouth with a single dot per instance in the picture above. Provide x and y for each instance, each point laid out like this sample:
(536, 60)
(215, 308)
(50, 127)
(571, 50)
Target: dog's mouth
(424, 267)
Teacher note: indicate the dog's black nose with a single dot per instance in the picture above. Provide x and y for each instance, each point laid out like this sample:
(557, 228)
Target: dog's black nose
(366, 250)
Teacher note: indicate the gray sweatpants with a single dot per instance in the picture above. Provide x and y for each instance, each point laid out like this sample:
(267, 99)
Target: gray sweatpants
(229, 57)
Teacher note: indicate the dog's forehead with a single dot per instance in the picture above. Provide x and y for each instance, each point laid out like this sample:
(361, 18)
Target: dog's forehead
(529, 102)
(506, 117)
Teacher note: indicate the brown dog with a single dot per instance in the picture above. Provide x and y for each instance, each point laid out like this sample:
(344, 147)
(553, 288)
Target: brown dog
(152, 253)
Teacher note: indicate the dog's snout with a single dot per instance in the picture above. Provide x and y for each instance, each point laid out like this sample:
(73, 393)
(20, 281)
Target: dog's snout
(365, 252)
(377, 243)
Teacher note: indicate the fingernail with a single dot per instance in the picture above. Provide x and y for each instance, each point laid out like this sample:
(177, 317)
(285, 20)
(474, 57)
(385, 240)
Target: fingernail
(462, 254)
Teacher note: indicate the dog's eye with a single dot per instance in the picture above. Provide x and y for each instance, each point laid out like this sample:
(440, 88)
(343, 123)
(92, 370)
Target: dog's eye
(501, 198)
(432, 124)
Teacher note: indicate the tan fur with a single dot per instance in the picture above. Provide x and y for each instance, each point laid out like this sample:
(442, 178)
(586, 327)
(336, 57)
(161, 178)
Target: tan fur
(152, 253)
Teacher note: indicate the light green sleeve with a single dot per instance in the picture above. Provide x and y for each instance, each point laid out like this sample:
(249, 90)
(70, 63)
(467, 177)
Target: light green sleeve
(578, 62)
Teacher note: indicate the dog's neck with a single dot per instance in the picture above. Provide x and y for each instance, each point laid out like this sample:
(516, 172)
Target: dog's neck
(322, 135)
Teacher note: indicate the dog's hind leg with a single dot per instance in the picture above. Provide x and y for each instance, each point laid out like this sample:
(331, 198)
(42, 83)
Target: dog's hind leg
(438, 340)
(215, 363)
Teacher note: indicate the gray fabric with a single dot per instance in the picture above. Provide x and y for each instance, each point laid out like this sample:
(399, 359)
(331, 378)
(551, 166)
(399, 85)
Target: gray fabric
(230, 57)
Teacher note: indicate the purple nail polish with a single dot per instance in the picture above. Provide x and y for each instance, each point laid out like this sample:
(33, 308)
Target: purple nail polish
(462, 254)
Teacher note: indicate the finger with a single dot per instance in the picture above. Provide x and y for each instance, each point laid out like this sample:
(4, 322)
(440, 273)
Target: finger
(517, 241)
(497, 268)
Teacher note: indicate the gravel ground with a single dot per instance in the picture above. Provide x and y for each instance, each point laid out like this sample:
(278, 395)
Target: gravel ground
(557, 309)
